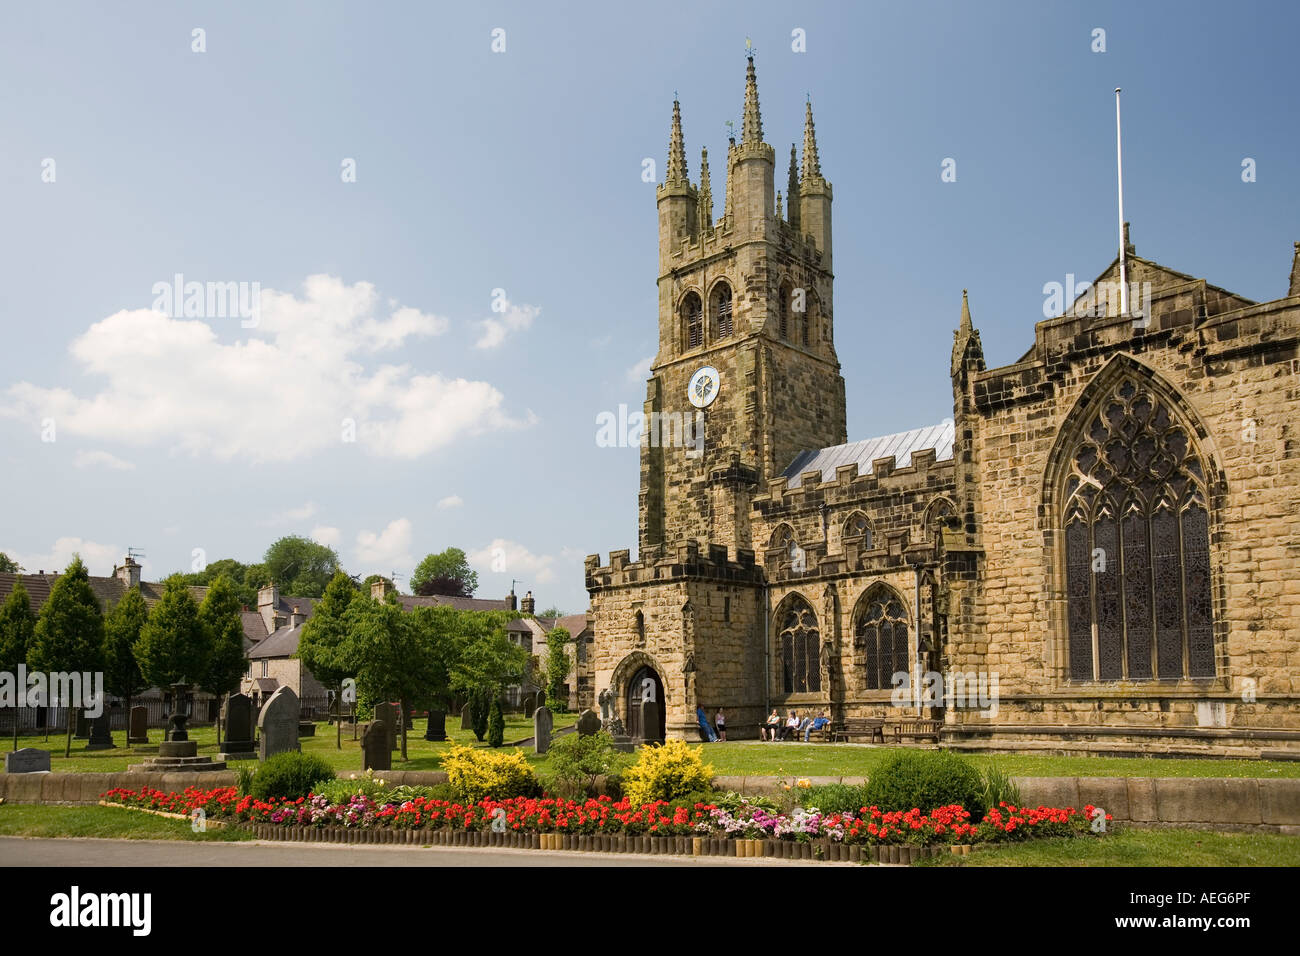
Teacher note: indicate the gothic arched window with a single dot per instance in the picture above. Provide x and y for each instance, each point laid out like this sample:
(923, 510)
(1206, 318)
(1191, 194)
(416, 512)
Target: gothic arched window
(783, 538)
(806, 326)
(800, 648)
(859, 527)
(722, 310)
(693, 321)
(881, 633)
(936, 516)
(640, 628)
(783, 310)
(1137, 549)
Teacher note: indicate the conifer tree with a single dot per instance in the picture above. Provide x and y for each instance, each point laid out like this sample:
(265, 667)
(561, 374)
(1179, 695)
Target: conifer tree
(122, 627)
(496, 725)
(174, 645)
(17, 631)
(220, 615)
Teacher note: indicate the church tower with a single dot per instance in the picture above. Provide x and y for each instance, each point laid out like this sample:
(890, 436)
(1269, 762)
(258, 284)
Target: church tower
(746, 374)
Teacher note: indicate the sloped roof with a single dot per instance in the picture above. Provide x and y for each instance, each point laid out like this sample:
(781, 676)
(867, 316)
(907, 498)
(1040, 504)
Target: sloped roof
(410, 601)
(108, 590)
(862, 453)
(575, 624)
(283, 643)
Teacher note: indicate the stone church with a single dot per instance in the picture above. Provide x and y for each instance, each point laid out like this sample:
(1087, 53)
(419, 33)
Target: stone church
(1099, 551)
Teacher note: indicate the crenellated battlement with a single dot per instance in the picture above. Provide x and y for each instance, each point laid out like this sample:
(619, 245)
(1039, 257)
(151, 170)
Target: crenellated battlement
(685, 560)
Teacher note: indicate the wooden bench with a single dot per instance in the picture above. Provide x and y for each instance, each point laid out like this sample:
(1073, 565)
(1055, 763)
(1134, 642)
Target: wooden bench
(873, 728)
(917, 729)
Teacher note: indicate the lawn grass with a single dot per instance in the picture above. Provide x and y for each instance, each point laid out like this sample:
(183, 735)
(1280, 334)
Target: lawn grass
(1130, 846)
(36, 820)
(422, 754)
(753, 759)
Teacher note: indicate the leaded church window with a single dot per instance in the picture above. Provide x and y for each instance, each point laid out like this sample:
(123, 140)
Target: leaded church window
(1137, 551)
(858, 527)
(800, 648)
(881, 634)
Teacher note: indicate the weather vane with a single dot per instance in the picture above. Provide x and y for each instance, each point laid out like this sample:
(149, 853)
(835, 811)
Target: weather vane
(750, 49)
(731, 129)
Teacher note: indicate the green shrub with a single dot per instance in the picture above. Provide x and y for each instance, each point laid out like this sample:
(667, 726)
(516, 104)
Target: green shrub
(244, 781)
(496, 733)
(998, 787)
(290, 775)
(576, 761)
(345, 788)
(480, 706)
(926, 780)
(476, 774)
(835, 798)
(665, 772)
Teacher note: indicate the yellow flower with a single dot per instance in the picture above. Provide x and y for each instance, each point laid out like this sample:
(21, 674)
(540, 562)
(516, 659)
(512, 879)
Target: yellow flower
(804, 783)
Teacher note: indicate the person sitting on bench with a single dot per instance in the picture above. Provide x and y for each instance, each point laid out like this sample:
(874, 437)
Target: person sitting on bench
(817, 723)
(769, 729)
(791, 726)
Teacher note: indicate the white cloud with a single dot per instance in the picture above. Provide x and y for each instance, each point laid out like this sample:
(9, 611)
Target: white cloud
(639, 372)
(510, 557)
(387, 550)
(92, 459)
(292, 515)
(513, 318)
(330, 537)
(99, 559)
(451, 501)
(286, 389)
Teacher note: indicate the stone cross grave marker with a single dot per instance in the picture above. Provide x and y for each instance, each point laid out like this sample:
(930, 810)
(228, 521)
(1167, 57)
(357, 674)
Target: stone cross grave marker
(279, 723)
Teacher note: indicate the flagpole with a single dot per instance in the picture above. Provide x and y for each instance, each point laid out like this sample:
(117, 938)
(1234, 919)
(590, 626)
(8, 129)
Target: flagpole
(1119, 168)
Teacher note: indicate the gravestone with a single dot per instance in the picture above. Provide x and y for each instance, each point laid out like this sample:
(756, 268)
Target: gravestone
(466, 718)
(588, 723)
(437, 729)
(278, 723)
(387, 714)
(101, 736)
(542, 724)
(138, 728)
(82, 731)
(27, 760)
(649, 720)
(237, 731)
(376, 754)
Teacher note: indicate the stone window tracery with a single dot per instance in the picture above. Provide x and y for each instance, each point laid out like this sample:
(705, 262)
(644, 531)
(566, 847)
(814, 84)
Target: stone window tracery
(693, 319)
(800, 647)
(881, 633)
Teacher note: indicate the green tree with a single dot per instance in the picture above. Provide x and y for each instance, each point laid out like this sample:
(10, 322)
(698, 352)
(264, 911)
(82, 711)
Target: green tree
(69, 634)
(8, 565)
(300, 566)
(238, 573)
(122, 627)
(496, 729)
(174, 645)
(17, 631)
(557, 669)
(447, 572)
(383, 649)
(322, 637)
(552, 612)
(372, 578)
(227, 663)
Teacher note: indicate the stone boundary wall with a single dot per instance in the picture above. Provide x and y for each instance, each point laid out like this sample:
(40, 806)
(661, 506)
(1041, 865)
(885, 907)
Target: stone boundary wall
(1228, 802)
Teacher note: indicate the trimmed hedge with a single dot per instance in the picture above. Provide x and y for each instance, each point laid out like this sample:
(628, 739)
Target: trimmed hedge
(926, 779)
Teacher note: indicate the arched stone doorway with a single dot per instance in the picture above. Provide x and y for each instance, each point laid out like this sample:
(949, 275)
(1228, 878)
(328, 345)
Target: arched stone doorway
(644, 702)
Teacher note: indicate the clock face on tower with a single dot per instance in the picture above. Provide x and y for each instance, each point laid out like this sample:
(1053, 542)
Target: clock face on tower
(703, 387)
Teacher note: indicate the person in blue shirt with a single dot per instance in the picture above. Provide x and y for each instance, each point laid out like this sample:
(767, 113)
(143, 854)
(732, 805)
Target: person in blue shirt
(817, 723)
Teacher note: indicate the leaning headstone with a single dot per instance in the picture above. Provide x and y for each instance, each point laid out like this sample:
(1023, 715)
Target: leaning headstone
(649, 720)
(138, 728)
(387, 713)
(82, 731)
(101, 736)
(278, 723)
(466, 718)
(437, 729)
(542, 724)
(237, 735)
(375, 752)
(27, 760)
(588, 723)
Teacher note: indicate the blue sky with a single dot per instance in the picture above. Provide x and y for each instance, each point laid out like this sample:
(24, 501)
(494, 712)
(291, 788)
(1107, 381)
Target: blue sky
(520, 171)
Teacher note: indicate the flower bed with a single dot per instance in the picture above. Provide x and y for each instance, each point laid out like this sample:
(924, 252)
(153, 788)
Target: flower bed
(605, 817)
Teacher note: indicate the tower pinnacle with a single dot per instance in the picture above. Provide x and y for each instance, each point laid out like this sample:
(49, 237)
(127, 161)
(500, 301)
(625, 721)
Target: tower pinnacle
(705, 215)
(752, 128)
(812, 168)
(792, 188)
(677, 174)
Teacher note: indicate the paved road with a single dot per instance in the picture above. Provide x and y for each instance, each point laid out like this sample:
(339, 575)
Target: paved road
(23, 851)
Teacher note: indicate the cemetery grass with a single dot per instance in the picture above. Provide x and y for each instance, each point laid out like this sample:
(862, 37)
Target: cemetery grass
(422, 754)
(36, 820)
(755, 759)
(1131, 846)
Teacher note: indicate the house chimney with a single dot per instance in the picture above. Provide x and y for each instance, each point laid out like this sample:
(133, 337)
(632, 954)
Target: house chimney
(379, 589)
(296, 617)
(128, 573)
(512, 602)
(268, 601)
(527, 605)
